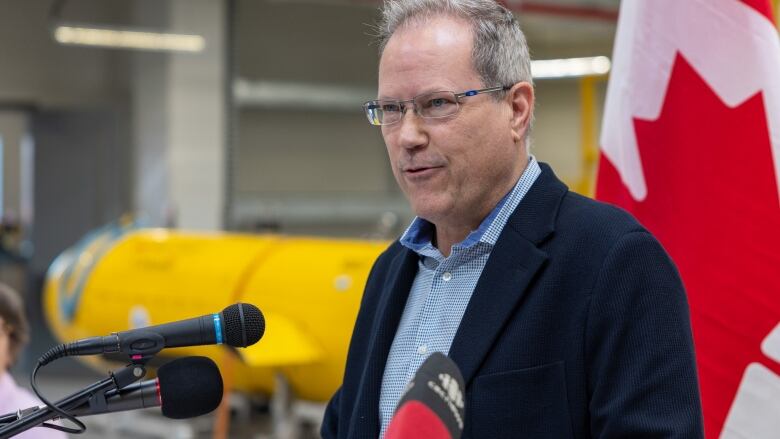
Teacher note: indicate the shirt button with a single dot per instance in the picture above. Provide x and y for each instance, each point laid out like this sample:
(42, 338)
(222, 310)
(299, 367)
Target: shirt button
(446, 276)
(422, 349)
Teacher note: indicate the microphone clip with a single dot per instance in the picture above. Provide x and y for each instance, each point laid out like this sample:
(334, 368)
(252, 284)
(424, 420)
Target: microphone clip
(94, 395)
(141, 346)
(121, 379)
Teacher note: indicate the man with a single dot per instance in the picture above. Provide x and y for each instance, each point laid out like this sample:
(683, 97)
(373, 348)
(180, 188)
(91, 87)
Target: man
(565, 316)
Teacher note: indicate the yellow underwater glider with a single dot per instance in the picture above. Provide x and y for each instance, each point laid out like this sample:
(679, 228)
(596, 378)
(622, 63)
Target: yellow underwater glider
(309, 290)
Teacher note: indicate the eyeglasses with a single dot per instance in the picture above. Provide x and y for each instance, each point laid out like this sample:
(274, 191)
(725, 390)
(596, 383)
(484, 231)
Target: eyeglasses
(433, 105)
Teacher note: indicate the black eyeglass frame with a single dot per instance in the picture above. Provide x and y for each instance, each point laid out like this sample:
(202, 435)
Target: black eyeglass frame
(375, 104)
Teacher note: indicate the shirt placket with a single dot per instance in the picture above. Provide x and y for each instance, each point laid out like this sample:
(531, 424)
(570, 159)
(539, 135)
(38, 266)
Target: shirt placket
(434, 306)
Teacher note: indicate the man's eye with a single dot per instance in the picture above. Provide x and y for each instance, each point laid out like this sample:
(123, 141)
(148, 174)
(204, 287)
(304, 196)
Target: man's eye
(391, 107)
(438, 102)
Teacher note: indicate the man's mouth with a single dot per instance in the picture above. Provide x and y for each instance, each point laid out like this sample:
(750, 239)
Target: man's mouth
(417, 169)
(417, 172)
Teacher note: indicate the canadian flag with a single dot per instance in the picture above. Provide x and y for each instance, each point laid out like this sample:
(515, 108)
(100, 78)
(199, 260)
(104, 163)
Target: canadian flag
(691, 146)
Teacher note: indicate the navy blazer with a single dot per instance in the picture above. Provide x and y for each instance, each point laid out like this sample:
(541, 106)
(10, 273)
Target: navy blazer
(577, 328)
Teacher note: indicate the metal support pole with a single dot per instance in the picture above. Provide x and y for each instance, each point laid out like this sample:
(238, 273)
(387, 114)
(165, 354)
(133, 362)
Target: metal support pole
(588, 142)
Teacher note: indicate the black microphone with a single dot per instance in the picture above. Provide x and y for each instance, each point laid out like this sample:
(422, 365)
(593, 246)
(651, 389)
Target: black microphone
(238, 325)
(432, 406)
(184, 388)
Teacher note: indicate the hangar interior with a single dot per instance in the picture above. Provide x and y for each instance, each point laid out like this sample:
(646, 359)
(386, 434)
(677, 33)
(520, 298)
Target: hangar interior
(259, 131)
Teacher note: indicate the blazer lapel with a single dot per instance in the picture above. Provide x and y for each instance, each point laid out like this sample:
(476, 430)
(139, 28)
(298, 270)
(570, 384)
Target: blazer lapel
(512, 265)
(391, 306)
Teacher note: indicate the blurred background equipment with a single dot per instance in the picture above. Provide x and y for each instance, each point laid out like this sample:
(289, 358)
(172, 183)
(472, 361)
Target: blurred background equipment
(122, 277)
(309, 290)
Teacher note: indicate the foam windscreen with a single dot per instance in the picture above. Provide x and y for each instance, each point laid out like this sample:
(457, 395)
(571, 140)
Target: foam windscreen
(189, 387)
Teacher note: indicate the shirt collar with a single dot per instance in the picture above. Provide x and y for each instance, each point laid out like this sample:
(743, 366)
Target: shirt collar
(418, 237)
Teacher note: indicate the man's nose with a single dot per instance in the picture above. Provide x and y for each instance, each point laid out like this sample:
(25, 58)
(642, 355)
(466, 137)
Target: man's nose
(411, 130)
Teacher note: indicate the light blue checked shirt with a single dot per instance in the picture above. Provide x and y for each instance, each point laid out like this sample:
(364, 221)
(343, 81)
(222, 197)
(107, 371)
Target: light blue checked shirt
(440, 292)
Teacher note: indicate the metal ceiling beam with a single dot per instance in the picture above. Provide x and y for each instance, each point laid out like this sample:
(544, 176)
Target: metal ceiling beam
(561, 10)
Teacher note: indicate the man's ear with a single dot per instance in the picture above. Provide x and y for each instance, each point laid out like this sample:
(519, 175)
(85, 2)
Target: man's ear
(521, 98)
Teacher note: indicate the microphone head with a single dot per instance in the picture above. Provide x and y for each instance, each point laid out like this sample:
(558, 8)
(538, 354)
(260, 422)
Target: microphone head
(189, 387)
(244, 325)
(439, 386)
(415, 420)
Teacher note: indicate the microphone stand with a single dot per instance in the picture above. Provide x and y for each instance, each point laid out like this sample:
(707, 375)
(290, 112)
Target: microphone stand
(94, 395)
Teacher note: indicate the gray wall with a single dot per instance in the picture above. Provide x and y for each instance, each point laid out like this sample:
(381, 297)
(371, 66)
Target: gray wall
(298, 155)
(77, 102)
(285, 158)
(81, 174)
(35, 69)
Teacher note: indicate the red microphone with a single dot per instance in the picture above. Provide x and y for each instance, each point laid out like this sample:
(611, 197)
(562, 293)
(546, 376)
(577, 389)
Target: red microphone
(184, 388)
(432, 404)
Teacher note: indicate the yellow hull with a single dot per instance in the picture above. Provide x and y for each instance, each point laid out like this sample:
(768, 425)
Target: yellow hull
(309, 290)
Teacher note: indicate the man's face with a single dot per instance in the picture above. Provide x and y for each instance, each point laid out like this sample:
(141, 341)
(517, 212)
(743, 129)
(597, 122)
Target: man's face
(453, 170)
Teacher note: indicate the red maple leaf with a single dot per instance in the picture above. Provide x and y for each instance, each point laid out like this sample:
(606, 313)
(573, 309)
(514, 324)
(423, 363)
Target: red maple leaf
(712, 201)
(761, 6)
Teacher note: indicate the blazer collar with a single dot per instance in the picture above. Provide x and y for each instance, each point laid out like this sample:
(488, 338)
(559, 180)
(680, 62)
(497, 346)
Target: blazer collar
(508, 273)
(534, 218)
(403, 269)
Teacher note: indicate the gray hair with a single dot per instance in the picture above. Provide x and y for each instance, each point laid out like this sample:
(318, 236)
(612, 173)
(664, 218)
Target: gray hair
(500, 52)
